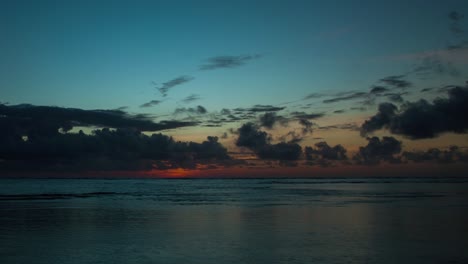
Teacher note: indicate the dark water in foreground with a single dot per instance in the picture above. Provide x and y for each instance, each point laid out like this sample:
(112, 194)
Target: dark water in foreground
(234, 221)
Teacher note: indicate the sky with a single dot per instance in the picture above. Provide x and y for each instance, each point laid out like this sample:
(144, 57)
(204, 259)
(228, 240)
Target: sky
(234, 88)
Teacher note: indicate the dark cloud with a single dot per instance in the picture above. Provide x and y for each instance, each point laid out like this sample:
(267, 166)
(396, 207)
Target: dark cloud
(422, 119)
(48, 119)
(260, 108)
(223, 62)
(268, 119)
(151, 103)
(191, 98)
(251, 137)
(384, 116)
(340, 111)
(378, 150)
(345, 126)
(396, 81)
(281, 151)
(346, 97)
(199, 110)
(307, 126)
(166, 86)
(303, 115)
(378, 90)
(323, 151)
(105, 149)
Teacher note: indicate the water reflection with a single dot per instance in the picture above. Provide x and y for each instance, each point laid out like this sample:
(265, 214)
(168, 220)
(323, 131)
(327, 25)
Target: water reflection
(284, 223)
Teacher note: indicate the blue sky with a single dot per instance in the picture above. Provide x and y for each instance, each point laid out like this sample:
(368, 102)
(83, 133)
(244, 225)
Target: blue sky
(104, 54)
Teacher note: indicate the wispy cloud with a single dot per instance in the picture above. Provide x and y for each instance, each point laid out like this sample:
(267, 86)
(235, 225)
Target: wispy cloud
(191, 98)
(223, 62)
(151, 103)
(166, 86)
(345, 98)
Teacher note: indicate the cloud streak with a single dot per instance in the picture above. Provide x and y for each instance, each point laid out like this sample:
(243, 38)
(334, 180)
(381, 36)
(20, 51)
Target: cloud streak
(166, 86)
(227, 62)
(49, 119)
(151, 103)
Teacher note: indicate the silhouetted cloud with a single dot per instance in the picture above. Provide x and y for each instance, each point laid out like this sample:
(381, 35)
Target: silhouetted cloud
(396, 81)
(151, 103)
(378, 90)
(378, 150)
(303, 115)
(307, 126)
(48, 119)
(260, 108)
(104, 149)
(384, 116)
(199, 110)
(268, 119)
(251, 137)
(221, 62)
(166, 86)
(280, 151)
(422, 119)
(323, 151)
(346, 97)
(345, 126)
(340, 111)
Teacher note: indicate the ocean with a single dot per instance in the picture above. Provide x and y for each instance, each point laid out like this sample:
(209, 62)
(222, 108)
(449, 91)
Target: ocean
(394, 220)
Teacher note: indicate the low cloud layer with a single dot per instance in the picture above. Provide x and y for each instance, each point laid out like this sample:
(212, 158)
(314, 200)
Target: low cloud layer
(30, 119)
(105, 149)
(378, 150)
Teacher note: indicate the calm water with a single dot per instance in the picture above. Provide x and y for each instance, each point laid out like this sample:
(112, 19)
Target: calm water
(234, 221)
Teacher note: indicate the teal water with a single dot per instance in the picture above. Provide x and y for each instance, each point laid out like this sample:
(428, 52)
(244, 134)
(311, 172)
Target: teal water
(234, 221)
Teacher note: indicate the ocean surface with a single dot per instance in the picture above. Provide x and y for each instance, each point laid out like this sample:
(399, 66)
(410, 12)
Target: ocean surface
(234, 221)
